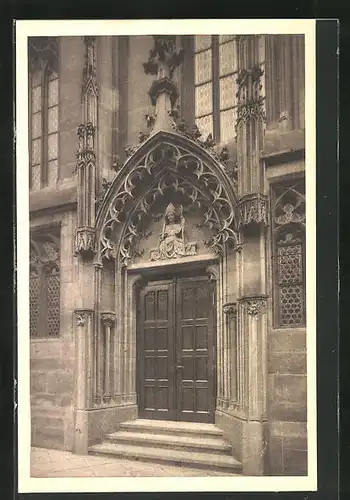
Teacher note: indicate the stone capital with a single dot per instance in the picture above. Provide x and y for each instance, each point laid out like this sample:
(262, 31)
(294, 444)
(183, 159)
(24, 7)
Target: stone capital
(84, 241)
(255, 305)
(230, 309)
(82, 315)
(253, 209)
(108, 318)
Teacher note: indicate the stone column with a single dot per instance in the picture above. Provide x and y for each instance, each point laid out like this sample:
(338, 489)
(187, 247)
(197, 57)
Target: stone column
(98, 340)
(84, 319)
(108, 320)
(252, 221)
(254, 446)
(118, 337)
(230, 311)
(129, 388)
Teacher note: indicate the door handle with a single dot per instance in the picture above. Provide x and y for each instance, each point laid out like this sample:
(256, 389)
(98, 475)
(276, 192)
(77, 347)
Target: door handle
(179, 367)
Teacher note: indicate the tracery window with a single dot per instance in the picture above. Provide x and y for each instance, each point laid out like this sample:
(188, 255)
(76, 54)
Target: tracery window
(43, 111)
(288, 237)
(215, 63)
(44, 285)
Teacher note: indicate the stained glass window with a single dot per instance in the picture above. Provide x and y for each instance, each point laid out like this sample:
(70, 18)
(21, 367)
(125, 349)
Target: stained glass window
(288, 226)
(215, 68)
(44, 112)
(44, 286)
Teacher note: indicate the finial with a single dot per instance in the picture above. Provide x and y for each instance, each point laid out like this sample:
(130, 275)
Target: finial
(163, 59)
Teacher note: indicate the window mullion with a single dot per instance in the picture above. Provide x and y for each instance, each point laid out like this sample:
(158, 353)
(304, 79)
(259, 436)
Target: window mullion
(216, 87)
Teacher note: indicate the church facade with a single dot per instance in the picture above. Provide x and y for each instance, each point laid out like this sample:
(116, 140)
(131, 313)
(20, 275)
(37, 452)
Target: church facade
(167, 237)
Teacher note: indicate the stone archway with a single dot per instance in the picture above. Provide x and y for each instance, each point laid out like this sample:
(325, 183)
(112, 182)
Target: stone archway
(170, 160)
(170, 170)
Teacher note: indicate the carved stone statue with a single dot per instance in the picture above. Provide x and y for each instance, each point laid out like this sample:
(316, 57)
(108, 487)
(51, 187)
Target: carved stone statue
(172, 237)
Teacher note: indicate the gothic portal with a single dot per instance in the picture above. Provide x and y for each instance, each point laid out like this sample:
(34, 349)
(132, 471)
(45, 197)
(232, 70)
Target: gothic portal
(167, 276)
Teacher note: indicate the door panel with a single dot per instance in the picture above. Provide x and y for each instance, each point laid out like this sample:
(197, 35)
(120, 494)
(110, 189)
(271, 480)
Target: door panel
(156, 351)
(194, 353)
(176, 349)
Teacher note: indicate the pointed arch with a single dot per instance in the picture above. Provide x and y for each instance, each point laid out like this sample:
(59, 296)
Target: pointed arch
(165, 165)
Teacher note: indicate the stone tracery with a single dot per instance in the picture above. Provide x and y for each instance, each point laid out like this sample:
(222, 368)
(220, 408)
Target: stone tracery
(166, 170)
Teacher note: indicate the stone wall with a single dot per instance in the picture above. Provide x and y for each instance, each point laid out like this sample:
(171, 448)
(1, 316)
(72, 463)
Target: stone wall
(287, 359)
(287, 394)
(138, 86)
(52, 360)
(70, 111)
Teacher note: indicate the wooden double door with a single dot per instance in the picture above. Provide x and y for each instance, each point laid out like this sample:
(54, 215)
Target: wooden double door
(176, 350)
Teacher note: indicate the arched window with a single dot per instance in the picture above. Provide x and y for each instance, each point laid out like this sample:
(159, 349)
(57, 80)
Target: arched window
(288, 237)
(43, 111)
(215, 73)
(44, 286)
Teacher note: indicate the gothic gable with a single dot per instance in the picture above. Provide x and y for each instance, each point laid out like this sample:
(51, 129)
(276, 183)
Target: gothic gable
(167, 167)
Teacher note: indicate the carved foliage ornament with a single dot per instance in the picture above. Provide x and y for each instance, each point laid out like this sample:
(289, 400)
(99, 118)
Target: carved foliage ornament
(255, 305)
(165, 171)
(251, 110)
(250, 101)
(105, 185)
(194, 134)
(82, 316)
(108, 318)
(230, 309)
(164, 57)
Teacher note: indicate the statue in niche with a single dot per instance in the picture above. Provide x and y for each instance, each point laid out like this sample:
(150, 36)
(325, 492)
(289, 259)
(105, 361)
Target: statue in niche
(172, 237)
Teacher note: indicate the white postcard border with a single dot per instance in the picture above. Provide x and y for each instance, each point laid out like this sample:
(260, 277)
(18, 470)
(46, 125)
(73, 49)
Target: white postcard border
(27, 28)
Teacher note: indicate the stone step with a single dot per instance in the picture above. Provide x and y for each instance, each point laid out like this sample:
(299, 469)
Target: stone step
(179, 457)
(214, 444)
(171, 427)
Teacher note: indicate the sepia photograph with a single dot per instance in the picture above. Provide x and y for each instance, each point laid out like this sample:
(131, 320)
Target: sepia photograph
(166, 315)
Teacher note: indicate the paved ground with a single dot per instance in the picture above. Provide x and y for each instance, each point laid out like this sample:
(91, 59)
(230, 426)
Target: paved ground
(53, 463)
